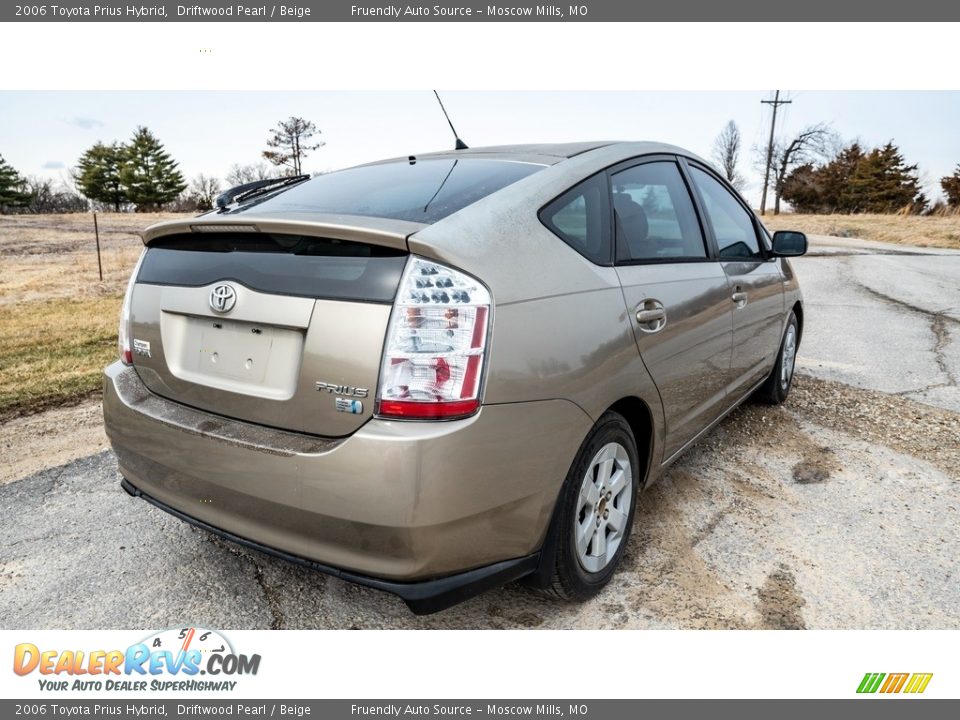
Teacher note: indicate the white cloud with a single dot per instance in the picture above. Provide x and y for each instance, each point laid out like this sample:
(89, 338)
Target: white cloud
(86, 123)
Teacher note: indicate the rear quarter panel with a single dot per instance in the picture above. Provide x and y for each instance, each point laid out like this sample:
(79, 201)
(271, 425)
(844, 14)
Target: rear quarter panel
(560, 325)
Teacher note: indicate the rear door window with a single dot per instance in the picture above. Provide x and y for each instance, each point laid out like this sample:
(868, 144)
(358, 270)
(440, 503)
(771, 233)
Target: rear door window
(655, 218)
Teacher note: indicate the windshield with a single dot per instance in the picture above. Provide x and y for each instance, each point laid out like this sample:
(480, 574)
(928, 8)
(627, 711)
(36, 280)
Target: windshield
(422, 191)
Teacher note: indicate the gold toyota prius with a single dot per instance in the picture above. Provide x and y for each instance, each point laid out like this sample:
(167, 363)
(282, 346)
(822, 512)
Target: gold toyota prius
(436, 374)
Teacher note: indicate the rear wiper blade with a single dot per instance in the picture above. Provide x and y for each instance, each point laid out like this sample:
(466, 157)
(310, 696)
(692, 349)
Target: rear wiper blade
(257, 187)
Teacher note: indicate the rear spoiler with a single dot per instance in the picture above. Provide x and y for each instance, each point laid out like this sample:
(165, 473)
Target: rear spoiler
(355, 228)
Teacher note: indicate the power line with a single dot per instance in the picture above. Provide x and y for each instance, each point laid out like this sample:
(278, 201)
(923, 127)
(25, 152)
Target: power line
(776, 102)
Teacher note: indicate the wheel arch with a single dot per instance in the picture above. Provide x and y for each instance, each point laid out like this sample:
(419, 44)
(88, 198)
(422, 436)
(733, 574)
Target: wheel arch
(798, 311)
(640, 419)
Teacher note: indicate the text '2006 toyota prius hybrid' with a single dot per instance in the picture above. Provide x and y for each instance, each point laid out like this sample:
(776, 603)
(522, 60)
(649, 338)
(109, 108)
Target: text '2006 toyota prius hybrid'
(437, 374)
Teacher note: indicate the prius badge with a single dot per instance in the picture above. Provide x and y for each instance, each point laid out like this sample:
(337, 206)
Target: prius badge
(223, 298)
(342, 389)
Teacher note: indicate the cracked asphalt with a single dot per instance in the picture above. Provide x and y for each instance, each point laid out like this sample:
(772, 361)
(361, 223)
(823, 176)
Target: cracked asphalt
(885, 317)
(837, 510)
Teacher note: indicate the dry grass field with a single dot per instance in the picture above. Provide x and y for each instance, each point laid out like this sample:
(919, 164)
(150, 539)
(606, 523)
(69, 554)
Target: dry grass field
(58, 322)
(932, 231)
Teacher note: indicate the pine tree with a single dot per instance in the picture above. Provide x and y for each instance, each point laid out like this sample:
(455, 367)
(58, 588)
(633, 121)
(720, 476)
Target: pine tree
(838, 195)
(12, 187)
(150, 176)
(857, 181)
(885, 183)
(290, 141)
(98, 174)
(951, 187)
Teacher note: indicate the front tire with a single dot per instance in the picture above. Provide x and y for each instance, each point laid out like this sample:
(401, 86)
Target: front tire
(595, 510)
(777, 386)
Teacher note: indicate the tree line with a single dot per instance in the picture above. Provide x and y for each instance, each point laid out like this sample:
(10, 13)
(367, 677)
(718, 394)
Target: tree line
(142, 176)
(816, 172)
(813, 171)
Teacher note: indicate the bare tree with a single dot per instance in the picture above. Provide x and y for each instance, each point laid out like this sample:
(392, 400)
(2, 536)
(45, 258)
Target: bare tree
(812, 143)
(46, 196)
(726, 154)
(41, 194)
(204, 190)
(290, 143)
(242, 174)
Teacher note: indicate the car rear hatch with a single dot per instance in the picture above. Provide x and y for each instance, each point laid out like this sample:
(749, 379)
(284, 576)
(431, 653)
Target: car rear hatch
(279, 322)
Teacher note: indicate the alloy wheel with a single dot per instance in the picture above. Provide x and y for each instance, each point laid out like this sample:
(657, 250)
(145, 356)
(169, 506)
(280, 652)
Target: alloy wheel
(789, 356)
(603, 507)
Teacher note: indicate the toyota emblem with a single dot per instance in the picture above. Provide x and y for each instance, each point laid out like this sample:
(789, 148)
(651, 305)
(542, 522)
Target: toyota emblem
(223, 298)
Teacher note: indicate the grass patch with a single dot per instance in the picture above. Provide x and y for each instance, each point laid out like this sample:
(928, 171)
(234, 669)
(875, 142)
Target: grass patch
(925, 231)
(58, 320)
(53, 351)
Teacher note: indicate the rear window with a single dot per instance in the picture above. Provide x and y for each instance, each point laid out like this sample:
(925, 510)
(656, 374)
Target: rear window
(422, 191)
(276, 264)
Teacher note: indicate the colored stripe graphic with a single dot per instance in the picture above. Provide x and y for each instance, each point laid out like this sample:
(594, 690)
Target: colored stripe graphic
(894, 682)
(870, 682)
(918, 683)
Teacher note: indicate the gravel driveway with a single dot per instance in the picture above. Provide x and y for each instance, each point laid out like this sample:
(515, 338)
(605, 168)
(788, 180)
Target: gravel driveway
(838, 510)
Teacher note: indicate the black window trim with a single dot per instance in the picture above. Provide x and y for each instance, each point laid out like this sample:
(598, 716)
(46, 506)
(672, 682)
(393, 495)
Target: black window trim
(686, 164)
(709, 245)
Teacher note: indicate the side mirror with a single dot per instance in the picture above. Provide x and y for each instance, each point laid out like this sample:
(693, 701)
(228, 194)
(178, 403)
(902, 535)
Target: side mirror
(788, 243)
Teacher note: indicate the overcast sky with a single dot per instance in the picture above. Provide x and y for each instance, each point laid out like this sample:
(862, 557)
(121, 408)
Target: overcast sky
(44, 133)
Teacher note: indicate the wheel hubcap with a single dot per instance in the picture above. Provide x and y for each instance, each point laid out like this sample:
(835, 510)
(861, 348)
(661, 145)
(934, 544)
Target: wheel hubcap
(789, 357)
(603, 507)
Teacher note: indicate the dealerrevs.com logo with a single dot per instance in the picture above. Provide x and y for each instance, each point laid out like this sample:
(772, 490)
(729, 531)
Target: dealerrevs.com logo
(892, 683)
(180, 659)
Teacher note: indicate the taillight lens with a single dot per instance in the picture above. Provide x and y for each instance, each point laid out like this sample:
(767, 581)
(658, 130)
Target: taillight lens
(124, 341)
(436, 342)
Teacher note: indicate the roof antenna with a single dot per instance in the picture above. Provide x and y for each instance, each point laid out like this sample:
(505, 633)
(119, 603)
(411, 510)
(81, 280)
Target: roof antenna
(460, 144)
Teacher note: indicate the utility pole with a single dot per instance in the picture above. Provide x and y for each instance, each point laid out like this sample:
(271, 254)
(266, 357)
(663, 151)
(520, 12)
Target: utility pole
(776, 102)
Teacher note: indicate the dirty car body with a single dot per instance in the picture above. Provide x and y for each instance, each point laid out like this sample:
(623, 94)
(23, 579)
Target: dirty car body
(437, 374)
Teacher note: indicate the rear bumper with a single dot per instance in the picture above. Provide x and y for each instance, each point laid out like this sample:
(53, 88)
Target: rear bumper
(432, 512)
(423, 598)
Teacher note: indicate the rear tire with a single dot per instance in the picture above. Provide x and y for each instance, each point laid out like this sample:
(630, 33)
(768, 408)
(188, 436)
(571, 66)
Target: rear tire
(595, 510)
(777, 386)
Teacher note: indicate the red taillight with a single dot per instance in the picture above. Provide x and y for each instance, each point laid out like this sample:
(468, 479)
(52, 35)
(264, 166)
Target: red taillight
(433, 358)
(428, 410)
(124, 340)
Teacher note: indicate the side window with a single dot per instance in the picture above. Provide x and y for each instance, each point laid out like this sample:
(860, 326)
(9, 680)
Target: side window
(581, 218)
(732, 224)
(655, 219)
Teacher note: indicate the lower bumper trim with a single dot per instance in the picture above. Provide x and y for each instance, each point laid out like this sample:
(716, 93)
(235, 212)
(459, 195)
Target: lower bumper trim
(422, 597)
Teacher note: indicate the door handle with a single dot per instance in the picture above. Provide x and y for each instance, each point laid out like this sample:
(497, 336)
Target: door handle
(651, 316)
(739, 297)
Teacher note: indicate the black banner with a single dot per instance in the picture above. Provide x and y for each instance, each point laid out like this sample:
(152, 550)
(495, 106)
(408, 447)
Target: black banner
(511, 11)
(852, 709)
